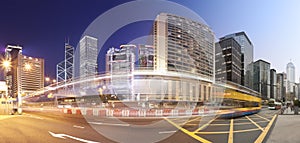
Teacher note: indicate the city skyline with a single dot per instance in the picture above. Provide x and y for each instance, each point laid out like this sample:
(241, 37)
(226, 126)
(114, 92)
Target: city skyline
(260, 35)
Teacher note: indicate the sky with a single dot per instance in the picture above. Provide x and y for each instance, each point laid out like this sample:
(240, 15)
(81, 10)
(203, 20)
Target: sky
(41, 27)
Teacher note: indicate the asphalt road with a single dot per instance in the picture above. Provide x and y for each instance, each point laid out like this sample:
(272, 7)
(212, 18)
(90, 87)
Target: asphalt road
(42, 126)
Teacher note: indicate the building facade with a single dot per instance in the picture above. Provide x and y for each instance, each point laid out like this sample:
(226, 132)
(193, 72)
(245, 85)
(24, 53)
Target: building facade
(228, 61)
(273, 84)
(88, 54)
(12, 54)
(261, 78)
(183, 45)
(30, 75)
(280, 87)
(247, 57)
(25, 75)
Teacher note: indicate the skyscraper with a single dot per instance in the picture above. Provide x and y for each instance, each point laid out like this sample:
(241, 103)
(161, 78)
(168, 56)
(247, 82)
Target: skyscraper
(65, 69)
(88, 53)
(273, 84)
(228, 61)
(280, 87)
(290, 77)
(247, 57)
(12, 54)
(183, 45)
(261, 78)
(26, 74)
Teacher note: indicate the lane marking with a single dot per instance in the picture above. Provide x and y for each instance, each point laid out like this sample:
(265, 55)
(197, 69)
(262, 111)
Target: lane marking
(80, 127)
(109, 124)
(254, 123)
(62, 136)
(205, 125)
(230, 136)
(167, 132)
(192, 134)
(226, 132)
(262, 136)
(262, 117)
(193, 119)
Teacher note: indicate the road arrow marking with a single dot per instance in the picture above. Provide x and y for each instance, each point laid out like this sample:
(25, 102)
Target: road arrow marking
(62, 136)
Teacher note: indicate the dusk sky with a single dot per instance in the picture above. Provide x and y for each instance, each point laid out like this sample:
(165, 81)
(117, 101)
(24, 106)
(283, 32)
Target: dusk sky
(42, 26)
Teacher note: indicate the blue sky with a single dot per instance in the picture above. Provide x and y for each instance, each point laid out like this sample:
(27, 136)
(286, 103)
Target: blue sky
(272, 25)
(41, 26)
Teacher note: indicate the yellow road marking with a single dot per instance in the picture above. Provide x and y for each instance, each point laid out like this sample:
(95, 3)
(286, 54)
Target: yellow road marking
(193, 119)
(262, 117)
(254, 123)
(261, 137)
(226, 132)
(192, 134)
(230, 136)
(248, 130)
(236, 124)
(205, 125)
(221, 132)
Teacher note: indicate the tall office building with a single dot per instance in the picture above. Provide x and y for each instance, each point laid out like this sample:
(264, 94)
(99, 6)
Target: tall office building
(26, 74)
(273, 84)
(261, 78)
(183, 45)
(12, 54)
(247, 57)
(65, 69)
(290, 77)
(30, 75)
(280, 87)
(88, 53)
(228, 61)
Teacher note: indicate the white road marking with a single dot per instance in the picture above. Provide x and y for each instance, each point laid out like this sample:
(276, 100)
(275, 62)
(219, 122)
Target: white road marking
(109, 124)
(80, 127)
(62, 136)
(167, 132)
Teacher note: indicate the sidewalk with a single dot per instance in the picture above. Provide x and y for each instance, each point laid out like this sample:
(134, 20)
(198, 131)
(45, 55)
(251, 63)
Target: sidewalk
(286, 129)
(288, 111)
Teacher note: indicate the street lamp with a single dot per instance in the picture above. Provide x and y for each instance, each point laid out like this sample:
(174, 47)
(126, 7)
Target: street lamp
(6, 64)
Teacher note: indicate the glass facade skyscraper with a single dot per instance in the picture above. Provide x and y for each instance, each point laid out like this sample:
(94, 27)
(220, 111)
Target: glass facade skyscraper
(261, 78)
(88, 53)
(247, 54)
(290, 77)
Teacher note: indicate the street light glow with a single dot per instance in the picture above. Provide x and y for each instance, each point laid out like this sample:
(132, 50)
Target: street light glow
(47, 79)
(6, 64)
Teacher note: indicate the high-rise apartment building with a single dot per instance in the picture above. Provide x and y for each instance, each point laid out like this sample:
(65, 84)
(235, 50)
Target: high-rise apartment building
(273, 84)
(261, 78)
(228, 61)
(183, 45)
(88, 53)
(247, 57)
